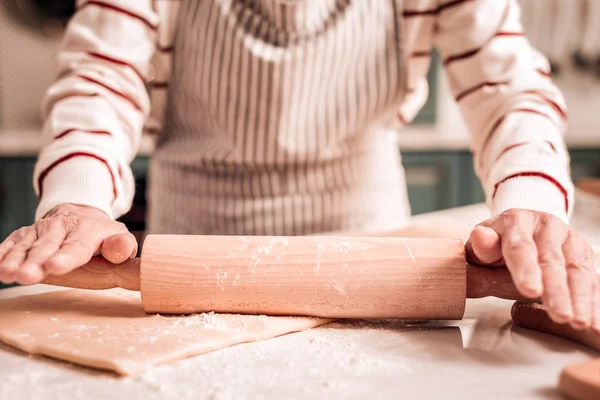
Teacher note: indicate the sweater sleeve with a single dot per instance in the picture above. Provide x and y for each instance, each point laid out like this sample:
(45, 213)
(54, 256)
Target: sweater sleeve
(516, 115)
(95, 111)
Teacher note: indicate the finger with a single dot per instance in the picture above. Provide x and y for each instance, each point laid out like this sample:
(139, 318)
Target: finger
(10, 241)
(119, 247)
(16, 255)
(580, 277)
(5, 247)
(77, 249)
(549, 237)
(483, 247)
(520, 254)
(51, 236)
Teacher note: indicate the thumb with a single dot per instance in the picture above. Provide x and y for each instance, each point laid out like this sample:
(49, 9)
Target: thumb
(119, 247)
(483, 247)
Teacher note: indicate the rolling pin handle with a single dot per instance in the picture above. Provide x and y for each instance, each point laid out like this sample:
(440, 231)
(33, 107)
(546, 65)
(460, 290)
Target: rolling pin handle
(484, 281)
(100, 274)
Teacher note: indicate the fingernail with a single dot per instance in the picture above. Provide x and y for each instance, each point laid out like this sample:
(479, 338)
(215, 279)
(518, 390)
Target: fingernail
(580, 324)
(523, 277)
(28, 273)
(27, 266)
(11, 267)
(560, 311)
(530, 282)
(529, 278)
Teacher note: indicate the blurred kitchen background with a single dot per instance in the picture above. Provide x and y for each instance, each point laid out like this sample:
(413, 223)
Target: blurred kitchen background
(435, 149)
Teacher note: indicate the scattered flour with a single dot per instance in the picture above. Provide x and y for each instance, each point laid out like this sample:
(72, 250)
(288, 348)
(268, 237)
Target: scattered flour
(339, 288)
(409, 251)
(332, 361)
(221, 279)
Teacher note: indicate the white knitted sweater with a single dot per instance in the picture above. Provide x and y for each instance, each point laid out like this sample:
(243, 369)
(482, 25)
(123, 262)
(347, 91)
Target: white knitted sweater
(269, 113)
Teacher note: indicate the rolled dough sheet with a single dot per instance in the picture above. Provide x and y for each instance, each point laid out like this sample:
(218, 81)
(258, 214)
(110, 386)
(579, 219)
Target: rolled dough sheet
(109, 330)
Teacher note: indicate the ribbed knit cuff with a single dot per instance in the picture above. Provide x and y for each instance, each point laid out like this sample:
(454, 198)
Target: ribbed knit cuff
(79, 180)
(531, 193)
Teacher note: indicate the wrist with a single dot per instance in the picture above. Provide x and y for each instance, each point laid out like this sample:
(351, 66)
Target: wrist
(76, 209)
(532, 193)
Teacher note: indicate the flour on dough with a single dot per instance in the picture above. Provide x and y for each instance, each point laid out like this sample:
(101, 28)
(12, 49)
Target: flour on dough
(109, 330)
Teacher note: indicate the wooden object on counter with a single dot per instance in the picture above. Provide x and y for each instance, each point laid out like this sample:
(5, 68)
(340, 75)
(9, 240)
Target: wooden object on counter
(577, 381)
(330, 277)
(589, 185)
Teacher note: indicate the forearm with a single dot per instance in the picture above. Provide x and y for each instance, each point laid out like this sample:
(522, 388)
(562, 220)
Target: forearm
(94, 113)
(516, 115)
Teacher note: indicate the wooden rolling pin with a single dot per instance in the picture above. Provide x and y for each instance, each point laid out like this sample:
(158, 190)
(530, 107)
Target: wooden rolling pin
(331, 277)
(576, 381)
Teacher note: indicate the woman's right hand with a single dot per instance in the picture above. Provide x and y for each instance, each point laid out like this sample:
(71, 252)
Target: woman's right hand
(65, 239)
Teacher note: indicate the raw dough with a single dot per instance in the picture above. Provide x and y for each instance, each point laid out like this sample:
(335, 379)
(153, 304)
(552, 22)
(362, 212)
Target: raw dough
(109, 330)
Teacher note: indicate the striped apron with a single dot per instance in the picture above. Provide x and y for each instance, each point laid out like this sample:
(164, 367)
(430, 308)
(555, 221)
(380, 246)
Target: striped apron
(276, 119)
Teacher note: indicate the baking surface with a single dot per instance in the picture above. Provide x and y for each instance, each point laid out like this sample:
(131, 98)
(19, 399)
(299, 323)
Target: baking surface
(483, 356)
(109, 330)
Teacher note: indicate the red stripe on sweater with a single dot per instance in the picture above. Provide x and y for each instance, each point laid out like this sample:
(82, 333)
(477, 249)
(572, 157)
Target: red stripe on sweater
(401, 118)
(164, 49)
(69, 156)
(71, 96)
(159, 85)
(77, 95)
(555, 105)
(540, 175)
(434, 11)
(116, 61)
(415, 13)
(93, 132)
(544, 73)
(420, 54)
(509, 34)
(500, 120)
(471, 53)
(514, 146)
(120, 94)
(112, 7)
(479, 87)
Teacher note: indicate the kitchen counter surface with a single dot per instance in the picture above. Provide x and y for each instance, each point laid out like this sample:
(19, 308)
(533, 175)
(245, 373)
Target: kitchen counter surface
(412, 138)
(482, 356)
(27, 142)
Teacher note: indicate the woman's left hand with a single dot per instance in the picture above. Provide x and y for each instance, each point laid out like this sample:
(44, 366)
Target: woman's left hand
(546, 258)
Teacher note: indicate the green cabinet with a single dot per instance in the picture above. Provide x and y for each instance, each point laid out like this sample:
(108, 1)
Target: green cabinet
(17, 198)
(436, 180)
(440, 180)
(427, 114)
(585, 163)
(431, 179)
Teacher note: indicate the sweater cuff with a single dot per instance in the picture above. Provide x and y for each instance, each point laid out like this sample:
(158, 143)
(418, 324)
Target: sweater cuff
(79, 180)
(530, 193)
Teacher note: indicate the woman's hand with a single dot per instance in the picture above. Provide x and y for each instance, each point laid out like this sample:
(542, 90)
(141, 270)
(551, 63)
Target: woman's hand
(547, 259)
(63, 240)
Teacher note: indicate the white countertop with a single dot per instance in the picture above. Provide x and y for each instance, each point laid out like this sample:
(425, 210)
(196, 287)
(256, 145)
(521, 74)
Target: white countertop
(483, 356)
(413, 138)
(26, 143)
